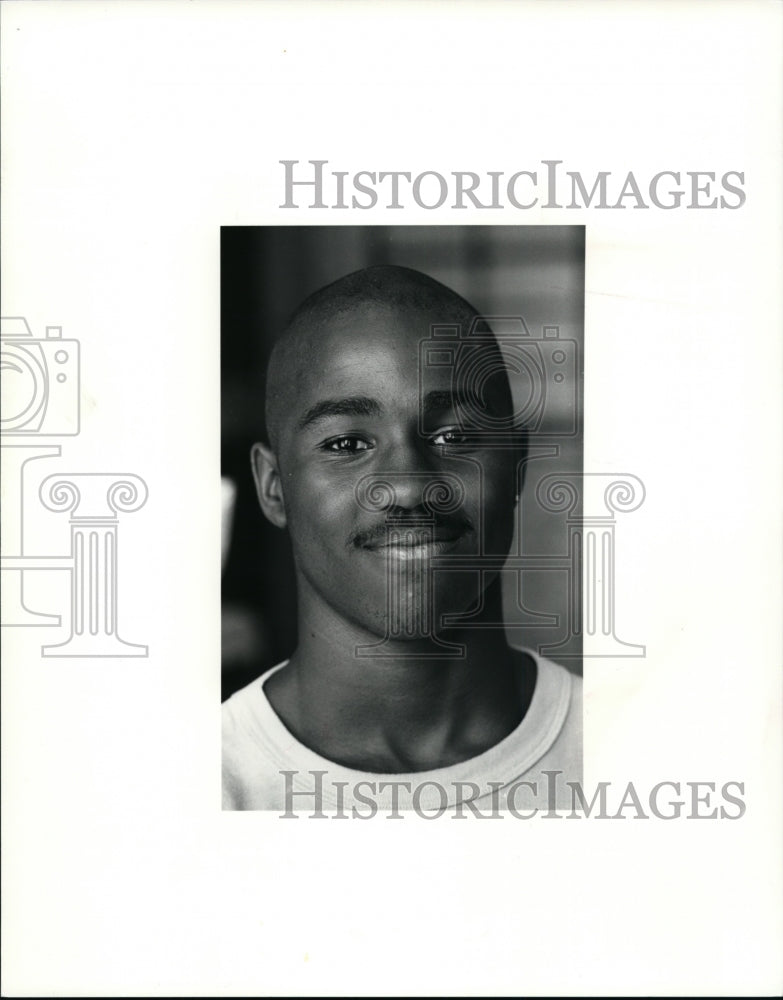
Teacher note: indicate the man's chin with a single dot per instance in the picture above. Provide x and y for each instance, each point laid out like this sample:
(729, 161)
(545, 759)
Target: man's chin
(414, 617)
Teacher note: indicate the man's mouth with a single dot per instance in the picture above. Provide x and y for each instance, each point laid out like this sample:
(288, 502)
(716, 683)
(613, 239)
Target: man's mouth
(406, 544)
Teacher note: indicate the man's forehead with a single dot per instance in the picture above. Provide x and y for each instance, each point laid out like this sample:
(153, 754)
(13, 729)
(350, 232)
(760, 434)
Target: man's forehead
(360, 341)
(370, 322)
(374, 342)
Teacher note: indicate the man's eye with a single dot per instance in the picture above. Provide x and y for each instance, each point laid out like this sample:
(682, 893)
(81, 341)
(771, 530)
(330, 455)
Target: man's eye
(451, 436)
(346, 445)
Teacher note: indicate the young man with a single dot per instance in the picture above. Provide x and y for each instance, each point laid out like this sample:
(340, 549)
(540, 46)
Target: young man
(393, 461)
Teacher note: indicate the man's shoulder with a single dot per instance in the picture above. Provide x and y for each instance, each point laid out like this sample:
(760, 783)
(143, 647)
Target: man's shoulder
(249, 772)
(253, 748)
(249, 700)
(239, 700)
(563, 689)
(564, 686)
(551, 666)
(555, 682)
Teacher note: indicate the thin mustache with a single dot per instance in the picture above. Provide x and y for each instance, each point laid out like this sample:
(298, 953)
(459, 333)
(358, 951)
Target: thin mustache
(378, 534)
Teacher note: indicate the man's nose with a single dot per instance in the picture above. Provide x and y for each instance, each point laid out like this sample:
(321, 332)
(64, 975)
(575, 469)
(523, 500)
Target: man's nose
(409, 479)
(409, 469)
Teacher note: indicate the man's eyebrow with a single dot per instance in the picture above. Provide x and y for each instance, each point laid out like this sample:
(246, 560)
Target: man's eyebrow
(438, 400)
(347, 406)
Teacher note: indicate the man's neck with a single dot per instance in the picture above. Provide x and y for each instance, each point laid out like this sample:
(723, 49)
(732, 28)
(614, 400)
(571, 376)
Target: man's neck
(404, 712)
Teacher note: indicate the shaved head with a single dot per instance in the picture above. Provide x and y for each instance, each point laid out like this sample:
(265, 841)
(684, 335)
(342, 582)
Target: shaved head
(363, 395)
(384, 290)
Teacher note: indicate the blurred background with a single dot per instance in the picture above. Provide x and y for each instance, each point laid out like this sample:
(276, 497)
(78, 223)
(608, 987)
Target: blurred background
(532, 272)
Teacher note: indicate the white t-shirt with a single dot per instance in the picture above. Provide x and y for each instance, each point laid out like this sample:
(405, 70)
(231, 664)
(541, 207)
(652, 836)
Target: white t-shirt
(265, 767)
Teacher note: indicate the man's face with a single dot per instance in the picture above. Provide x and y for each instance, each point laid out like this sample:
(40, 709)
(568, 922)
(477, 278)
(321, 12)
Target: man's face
(378, 477)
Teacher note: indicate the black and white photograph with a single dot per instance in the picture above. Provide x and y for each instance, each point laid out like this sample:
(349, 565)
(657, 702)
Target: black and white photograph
(391, 410)
(400, 561)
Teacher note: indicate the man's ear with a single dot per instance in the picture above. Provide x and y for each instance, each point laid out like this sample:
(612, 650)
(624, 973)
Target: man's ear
(266, 474)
